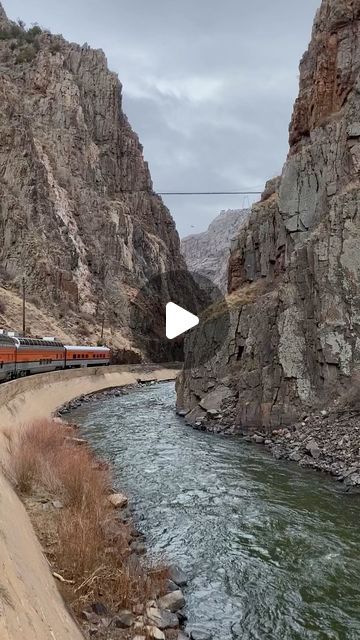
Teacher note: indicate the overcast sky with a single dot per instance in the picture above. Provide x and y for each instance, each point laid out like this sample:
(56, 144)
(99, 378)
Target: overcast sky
(208, 85)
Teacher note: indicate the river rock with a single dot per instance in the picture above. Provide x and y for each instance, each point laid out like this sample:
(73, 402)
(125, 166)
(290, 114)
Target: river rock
(172, 601)
(182, 617)
(118, 500)
(313, 448)
(100, 609)
(213, 413)
(295, 456)
(154, 632)
(162, 618)
(124, 619)
(57, 504)
(177, 576)
(171, 586)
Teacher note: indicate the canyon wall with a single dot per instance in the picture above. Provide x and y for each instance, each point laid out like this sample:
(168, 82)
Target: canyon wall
(78, 213)
(208, 253)
(294, 273)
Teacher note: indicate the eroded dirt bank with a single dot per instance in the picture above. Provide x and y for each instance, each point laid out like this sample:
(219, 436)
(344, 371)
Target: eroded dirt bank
(30, 605)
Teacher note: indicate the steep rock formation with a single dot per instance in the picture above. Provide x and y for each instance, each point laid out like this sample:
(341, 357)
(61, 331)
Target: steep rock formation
(294, 275)
(78, 214)
(208, 253)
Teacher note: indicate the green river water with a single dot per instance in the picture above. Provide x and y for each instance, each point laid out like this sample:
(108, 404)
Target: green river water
(272, 551)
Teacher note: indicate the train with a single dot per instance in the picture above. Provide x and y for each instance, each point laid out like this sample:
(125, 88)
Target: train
(25, 356)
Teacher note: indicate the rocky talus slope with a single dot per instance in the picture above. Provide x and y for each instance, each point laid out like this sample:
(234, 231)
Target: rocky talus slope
(78, 214)
(294, 274)
(208, 253)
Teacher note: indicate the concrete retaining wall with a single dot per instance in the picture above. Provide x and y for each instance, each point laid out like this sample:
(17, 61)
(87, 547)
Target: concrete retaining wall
(40, 395)
(30, 605)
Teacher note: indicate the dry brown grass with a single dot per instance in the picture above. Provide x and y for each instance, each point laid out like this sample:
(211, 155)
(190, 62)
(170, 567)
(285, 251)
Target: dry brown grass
(33, 452)
(91, 548)
(246, 294)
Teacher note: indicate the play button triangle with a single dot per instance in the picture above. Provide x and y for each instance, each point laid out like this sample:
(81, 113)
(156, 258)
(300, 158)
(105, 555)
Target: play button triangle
(178, 320)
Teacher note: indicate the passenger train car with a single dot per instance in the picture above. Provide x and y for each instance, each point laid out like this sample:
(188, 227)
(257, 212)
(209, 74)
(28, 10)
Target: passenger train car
(24, 356)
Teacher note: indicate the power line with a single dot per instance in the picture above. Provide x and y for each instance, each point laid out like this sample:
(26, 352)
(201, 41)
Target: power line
(209, 193)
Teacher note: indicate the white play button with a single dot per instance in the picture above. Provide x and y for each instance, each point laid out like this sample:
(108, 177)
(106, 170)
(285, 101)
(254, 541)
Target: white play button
(178, 320)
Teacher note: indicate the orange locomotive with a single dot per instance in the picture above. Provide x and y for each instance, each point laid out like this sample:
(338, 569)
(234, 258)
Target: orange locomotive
(24, 356)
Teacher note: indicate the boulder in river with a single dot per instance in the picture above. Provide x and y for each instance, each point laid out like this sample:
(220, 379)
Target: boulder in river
(177, 576)
(118, 500)
(172, 601)
(171, 586)
(162, 618)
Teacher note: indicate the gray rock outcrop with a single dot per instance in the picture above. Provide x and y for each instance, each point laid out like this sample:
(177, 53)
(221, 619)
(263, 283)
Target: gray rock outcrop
(294, 274)
(208, 253)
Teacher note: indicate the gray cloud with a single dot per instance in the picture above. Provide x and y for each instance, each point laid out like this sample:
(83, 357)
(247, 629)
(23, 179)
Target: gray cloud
(208, 85)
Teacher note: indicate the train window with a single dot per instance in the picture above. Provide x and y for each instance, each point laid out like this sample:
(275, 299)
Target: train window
(74, 355)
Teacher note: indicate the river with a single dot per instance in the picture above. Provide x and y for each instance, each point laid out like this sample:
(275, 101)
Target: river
(272, 550)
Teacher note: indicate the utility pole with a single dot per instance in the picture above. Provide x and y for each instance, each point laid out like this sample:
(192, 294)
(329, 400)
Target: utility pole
(23, 302)
(102, 328)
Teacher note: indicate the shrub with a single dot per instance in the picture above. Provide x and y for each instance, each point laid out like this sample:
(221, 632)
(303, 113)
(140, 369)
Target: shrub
(92, 544)
(33, 33)
(84, 485)
(26, 54)
(84, 330)
(33, 452)
(16, 31)
(2, 307)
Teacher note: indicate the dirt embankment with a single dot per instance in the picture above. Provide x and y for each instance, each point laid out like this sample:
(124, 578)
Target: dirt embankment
(30, 604)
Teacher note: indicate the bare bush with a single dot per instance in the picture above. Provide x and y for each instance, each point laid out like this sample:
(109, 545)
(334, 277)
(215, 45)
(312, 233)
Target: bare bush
(92, 545)
(33, 453)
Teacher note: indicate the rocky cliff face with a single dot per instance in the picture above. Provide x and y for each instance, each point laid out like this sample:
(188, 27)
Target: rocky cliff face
(294, 278)
(208, 253)
(78, 214)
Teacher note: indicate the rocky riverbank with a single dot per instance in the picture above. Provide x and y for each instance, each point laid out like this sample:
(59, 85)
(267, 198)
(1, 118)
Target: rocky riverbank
(115, 392)
(326, 441)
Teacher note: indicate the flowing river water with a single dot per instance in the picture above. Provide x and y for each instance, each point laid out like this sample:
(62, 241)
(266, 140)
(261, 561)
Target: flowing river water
(272, 550)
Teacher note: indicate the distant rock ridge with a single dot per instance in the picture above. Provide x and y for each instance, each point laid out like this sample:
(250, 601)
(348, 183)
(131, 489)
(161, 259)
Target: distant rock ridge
(208, 253)
(294, 274)
(78, 213)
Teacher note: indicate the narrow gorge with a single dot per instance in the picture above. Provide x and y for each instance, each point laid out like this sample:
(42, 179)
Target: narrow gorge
(125, 512)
